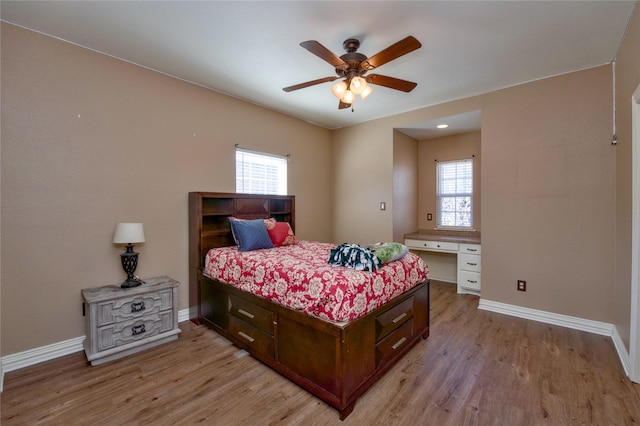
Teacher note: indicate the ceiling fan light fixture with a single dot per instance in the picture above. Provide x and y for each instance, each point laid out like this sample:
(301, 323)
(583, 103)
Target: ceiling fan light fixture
(366, 92)
(348, 97)
(358, 84)
(339, 89)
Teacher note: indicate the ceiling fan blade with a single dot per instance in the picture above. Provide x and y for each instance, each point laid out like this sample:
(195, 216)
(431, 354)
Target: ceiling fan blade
(391, 82)
(392, 52)
(343, 105)
(309, 83)
(324, 53)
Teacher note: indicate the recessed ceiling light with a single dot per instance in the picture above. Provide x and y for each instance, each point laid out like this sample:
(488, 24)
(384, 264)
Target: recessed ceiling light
(442, 126)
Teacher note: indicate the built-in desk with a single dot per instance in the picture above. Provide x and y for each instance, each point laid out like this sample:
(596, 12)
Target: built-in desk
(464, 245)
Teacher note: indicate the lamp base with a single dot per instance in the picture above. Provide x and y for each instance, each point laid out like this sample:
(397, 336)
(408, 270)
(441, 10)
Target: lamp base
(131, 282)
(129, 263)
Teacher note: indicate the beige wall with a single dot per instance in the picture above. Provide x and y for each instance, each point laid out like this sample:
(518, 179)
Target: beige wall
(88, 141)
(548, 190)
(627, 80)
(405, 185)
(455, 147)
(362, 178)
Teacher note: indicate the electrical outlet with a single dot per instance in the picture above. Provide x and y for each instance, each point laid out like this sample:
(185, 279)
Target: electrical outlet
(522, 285)
(429, 216)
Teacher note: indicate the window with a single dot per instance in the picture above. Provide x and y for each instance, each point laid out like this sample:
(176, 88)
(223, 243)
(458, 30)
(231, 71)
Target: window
(259, 173)
(454, 194)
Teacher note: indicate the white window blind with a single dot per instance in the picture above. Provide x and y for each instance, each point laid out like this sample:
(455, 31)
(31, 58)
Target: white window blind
(260, 173)
(454, 194)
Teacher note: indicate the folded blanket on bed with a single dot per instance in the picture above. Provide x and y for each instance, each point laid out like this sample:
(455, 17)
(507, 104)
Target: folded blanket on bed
(354, 256)
(388, 252)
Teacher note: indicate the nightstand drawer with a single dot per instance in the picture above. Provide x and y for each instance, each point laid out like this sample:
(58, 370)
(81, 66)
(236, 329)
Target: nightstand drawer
(469, 262)
(132, 330)
(122, 321)
(119, 310)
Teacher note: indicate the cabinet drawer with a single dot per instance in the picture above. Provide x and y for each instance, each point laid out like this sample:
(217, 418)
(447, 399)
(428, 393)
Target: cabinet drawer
(391, 345)
(432, 245)
(470, 248)
(469, 262)
(393, 318)
(132, 330)
(253, 314)
(470, 280)
(128, 308)
(251, 336)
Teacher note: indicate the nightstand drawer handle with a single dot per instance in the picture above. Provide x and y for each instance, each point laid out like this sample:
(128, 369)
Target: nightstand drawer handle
(245, 313)
(137, 329)
(398, 343)
(472, 281)
(246, 336)
(138, 306)
(472, 249)
(399, 317)
(471, 264)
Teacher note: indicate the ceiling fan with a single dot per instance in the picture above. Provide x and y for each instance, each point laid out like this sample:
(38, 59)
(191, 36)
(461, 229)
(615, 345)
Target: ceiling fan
(352, 67)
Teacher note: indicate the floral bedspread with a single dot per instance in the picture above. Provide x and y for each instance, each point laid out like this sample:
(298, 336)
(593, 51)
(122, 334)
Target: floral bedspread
(300, 277)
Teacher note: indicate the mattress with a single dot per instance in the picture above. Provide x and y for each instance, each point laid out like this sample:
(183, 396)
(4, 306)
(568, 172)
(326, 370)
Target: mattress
(300, 277)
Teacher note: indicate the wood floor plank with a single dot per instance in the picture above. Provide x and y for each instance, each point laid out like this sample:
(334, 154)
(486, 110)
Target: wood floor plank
(476, 368)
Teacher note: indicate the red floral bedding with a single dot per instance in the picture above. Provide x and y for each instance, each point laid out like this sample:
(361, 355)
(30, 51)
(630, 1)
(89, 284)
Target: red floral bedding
(300, 277)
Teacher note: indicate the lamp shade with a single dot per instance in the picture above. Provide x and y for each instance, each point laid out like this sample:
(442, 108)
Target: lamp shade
(126, 233)
(339, 89)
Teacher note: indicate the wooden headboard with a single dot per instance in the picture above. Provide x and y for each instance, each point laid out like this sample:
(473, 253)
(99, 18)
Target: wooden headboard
(209, 225)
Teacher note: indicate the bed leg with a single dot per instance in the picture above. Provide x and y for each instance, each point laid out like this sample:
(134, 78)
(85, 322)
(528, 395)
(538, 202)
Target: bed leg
(347, 410)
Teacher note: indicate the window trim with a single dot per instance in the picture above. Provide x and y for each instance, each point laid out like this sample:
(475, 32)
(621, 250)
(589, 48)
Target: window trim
(469, 194)
(283, 160)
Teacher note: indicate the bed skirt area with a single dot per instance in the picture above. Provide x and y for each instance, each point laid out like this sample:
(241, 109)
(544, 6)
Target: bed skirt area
(335, 362)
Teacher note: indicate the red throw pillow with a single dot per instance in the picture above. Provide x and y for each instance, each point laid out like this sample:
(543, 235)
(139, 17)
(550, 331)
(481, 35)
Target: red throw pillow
(280, 233)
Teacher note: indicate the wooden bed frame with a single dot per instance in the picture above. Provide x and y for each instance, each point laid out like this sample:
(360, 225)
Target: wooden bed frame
(336, 363)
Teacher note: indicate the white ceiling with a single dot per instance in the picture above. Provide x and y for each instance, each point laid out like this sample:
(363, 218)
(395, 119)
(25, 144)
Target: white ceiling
(250, 49)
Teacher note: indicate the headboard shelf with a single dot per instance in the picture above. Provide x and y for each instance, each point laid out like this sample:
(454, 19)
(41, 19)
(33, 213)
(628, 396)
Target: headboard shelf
(209, 224)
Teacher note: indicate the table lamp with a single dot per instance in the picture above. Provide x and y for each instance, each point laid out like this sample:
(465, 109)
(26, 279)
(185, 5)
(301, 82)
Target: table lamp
(129, 234)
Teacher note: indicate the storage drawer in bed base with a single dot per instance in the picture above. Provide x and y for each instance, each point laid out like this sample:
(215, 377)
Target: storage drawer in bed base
(336, 363)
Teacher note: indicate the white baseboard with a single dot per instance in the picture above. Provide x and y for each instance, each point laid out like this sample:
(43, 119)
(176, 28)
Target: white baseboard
(46, 353)
(623, 352)
(596, 327)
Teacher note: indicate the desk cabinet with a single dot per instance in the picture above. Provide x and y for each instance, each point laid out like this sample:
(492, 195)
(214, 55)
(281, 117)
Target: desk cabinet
(469, 265)
(469, 269)
(121, 321)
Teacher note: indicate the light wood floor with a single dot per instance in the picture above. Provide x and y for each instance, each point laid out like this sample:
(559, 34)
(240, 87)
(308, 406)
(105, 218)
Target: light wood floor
(476, 368)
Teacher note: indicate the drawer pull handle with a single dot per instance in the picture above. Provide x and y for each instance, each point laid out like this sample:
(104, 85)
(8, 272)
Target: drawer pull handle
(246, 336)
(138, 306)
(471, 264)
(399, 317)
(138, 329)
(472, 249)
(472, 281)
(398, 343)
(245, 313)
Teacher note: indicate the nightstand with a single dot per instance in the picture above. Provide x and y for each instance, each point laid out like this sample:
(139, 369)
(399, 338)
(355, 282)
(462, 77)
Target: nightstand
(122, 321)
